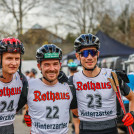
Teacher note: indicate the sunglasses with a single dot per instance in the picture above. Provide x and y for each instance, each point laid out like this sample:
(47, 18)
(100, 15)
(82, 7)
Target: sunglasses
(85, 53)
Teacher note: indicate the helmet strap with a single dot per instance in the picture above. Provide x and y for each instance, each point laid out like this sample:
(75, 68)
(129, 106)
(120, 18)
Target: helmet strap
(20, 73)
(1, 73)
(47, 79)
(90, 69)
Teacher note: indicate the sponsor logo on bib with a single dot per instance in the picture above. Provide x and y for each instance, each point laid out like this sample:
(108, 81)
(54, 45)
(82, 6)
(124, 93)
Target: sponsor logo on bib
(10, 91)
(38, 96)
(93, 86)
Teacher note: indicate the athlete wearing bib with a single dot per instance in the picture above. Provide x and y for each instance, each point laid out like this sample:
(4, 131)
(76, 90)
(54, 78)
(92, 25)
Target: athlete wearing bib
(93, 96)
(49, 101)
(13, 84)
(96, 99)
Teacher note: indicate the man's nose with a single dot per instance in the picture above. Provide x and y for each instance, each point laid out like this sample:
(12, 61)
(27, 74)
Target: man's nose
(14, 62)
(89, 56)
(51, 67)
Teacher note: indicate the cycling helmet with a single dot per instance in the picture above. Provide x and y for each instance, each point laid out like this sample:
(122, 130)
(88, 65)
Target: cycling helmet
(48, 51)
(86, 40)
(73, 66)
(34, 71)
(11, 45)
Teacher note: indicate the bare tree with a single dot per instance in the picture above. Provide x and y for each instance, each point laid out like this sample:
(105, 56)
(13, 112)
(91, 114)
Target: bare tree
(19, 9)
(80, 16)
(126, 9)
(4, 34)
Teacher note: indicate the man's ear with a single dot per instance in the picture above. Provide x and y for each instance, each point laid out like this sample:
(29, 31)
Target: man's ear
(98, 53)
(39, 66)
(60, 64)
(77, 56)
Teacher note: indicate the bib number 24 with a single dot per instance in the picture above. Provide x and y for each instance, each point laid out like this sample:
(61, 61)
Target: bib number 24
(8, 107)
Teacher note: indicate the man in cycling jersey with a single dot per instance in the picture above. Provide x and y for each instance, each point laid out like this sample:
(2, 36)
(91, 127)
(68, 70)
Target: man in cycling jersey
(96, 98)
(49, 100)
(13, 84)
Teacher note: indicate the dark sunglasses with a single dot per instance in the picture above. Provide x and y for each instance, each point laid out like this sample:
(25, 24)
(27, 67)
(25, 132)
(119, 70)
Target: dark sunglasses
(85, 53)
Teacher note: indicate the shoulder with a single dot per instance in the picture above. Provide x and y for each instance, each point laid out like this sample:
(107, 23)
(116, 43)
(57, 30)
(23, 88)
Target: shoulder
(64, 85)
(16, 76)
(106, 70)
(22, 79)
(33, 81)
(78, 74)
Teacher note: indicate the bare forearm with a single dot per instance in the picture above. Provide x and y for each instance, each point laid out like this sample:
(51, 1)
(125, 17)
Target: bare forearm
(130, 97)
(75, 111)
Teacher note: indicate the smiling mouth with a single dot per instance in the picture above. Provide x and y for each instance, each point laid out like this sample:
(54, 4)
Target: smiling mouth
(13, 67)
(51, 74)
(89, 62)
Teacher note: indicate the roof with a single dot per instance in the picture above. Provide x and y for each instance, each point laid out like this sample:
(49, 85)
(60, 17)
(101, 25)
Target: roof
(39, 35)
(37, 26)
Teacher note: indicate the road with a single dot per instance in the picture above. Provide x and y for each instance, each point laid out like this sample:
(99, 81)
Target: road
(21, 128)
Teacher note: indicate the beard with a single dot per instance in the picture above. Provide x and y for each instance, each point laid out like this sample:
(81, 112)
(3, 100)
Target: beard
(49, 78)
(55, 71)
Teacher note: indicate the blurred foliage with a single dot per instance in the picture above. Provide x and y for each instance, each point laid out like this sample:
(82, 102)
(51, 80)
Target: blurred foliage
(70, 37)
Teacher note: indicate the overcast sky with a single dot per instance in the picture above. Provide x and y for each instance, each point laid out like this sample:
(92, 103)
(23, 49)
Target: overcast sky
(49, 23)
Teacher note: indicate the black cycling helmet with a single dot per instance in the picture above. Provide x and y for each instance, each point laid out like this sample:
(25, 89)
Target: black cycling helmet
(48, 51)
(11, 45)
(34, 71)
(86, 40)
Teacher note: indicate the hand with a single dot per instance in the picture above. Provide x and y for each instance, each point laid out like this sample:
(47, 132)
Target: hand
(27, 119)
(128, 119)
(62, 77)
(122, 75)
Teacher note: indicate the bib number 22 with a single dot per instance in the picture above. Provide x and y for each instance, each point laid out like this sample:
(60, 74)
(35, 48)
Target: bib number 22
(52, 112)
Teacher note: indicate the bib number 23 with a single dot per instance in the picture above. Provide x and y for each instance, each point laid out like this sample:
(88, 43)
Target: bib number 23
(94, 101)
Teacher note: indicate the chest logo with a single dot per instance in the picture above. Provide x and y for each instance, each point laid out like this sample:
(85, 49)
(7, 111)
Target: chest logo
(93, 86)
(38, 96)
(10, 91)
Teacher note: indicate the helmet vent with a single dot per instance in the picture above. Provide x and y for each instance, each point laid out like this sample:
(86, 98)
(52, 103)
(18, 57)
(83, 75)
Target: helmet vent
(93, 39)
(81, 40)
(87, 39)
